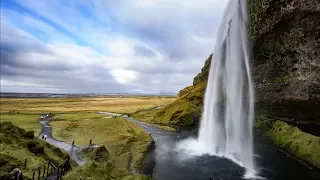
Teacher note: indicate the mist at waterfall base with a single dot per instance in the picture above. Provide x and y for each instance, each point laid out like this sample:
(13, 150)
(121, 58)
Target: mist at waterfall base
(227, 119)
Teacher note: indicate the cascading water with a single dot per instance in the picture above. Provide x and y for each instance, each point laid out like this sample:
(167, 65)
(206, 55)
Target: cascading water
(227, 120)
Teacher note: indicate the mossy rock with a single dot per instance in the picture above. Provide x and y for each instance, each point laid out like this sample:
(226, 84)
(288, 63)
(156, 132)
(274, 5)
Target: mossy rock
(8, 163)
(100, 154)
(29, 135)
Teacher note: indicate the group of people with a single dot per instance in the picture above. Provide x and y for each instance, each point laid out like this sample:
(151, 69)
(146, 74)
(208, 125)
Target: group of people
(45, 116)
(44, 137)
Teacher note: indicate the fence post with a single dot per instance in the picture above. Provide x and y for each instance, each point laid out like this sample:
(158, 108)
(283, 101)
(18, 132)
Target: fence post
(39, 173)
(58, 174)
(44, 170)
(48, 169)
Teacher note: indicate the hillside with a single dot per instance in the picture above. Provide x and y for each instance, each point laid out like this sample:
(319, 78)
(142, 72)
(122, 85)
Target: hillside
(17, 145)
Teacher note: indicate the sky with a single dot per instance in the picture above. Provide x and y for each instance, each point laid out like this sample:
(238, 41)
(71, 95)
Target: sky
(105, 46)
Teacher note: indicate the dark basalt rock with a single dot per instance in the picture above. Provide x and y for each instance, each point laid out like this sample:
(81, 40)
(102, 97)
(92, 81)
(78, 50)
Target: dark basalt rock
(286, 49)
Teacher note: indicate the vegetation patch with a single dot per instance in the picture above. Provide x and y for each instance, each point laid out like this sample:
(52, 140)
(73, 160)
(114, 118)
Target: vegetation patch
(292, 140)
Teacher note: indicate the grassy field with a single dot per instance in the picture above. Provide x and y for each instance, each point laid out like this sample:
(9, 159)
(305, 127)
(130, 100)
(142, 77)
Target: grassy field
(29, 122)
(125, 141)
(78, 119)
(62, 105)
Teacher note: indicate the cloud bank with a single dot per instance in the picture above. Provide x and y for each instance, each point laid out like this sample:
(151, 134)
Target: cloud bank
(97, 46)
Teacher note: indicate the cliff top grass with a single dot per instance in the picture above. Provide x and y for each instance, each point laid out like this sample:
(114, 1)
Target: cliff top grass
(126, 142)
(292, 140)
(16, 145)
(63, 105)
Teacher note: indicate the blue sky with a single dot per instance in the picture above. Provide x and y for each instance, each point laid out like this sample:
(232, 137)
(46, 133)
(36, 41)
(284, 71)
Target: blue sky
(105, 46)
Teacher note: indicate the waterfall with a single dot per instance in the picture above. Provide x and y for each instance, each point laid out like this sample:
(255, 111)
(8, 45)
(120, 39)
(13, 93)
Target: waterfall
(227, 120)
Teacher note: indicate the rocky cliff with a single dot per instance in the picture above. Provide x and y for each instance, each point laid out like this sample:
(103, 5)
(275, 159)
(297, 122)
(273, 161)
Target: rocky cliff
(286, 49)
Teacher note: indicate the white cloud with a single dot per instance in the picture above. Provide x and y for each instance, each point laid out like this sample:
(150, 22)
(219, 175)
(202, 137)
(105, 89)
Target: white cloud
(125, 76)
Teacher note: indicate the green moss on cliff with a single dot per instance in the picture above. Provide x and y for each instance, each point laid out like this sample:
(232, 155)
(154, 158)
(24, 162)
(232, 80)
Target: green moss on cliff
(185, 110)
(292, 140)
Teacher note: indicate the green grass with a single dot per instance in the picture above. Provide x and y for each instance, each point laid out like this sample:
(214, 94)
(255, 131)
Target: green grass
(69, 105)
(292, 140)
(29, 122)
(79, 116)
(16, 145)
(125, 141)
(93, 170)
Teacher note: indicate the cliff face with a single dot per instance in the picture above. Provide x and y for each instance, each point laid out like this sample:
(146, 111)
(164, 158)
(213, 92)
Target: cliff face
(286, 71)
(286, 49)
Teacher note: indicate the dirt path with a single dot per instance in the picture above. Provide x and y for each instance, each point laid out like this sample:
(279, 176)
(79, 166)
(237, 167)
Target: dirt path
(74, 151)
